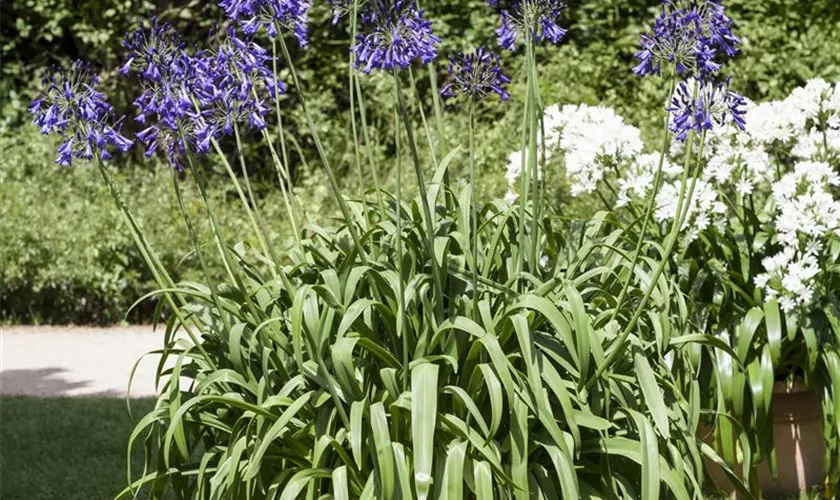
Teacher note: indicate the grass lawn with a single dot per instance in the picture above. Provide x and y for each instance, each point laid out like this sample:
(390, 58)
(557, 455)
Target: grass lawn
(65, 449)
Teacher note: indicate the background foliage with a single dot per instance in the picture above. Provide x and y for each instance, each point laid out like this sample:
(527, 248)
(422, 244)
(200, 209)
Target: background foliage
(90, 272)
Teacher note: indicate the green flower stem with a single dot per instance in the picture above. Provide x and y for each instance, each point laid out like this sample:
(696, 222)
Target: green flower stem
(621, 342)
(214, 294)
(351, 77)
(657, 184)
(438, 110)
(401, 322)
(424, 198)
(285, 187)
(369, 147)
(356, 94)
(474, 203)
(697, 171)
(155, 266)
(533, 145)
(214, 223)
(345, 212)
(252, 218)
(264, 238)
(280, 131)
(524, 181)
(425, 123)
(282, 175)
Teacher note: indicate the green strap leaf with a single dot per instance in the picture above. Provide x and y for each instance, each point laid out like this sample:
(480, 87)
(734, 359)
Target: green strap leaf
(424, 390)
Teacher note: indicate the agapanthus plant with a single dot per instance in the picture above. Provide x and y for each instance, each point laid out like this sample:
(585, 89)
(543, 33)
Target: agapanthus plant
(71, 107)
(689, 37)
(538, 19)
(394, 36)
(475, 75)
(273, 16)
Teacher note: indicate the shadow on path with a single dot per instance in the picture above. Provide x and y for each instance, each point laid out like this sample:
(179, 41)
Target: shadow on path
(45, 382)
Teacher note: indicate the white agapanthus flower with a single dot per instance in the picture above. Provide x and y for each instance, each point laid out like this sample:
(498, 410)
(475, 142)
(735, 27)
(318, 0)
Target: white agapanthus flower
(591, 138)
(809, 100)
(774, 121)
(736, 158)
(806, 214)
(639, 175)
(704, 208)
(789, 276)
(805, 204)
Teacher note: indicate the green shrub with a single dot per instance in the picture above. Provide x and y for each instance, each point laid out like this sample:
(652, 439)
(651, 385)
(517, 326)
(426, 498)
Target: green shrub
(65, 255)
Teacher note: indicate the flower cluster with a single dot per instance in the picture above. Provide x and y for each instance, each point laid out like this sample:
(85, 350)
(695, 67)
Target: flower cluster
(536, 18)
(805, 205)
(394, 36)
(712, 104)
(190, 99)
(593, 139)
(638, 177)
(475, 75)
(70, 106)
(735, 158)
(272, 15)
(168, 78)
(234, 87)
(808, 121)
(688, 36)
(703, 209)
(789, 277)
(804, 126)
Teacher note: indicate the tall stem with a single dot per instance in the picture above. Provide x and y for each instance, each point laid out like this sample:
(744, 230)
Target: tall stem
(424, 198)
(474, 203)
(620, 343)
(657, 182)
(401, 330)
(369, 148)
(280, 133)
(348, 219)
(351, 76)
(285, 187)
(242, 197)
(255, 210)
(423, 118)
(197, 249)
(524, 177)
(532, 155)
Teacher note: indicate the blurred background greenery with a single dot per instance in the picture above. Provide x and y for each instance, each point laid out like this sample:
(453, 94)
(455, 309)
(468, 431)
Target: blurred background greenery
(64, 257)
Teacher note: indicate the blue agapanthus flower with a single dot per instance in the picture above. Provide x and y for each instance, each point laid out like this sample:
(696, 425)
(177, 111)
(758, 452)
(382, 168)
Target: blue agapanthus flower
(476, 75)
(70, 106)
(341, 8)
(168, 76)
(394, 36)
(272, 15)
(689, 36)
(539, 17)
(235, 85)
(713, 105)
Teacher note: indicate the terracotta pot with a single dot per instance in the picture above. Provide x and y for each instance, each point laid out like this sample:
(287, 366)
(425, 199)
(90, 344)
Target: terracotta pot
(799, 442)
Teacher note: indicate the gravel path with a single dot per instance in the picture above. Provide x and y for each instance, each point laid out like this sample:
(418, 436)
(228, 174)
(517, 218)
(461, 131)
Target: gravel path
(77, 361)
